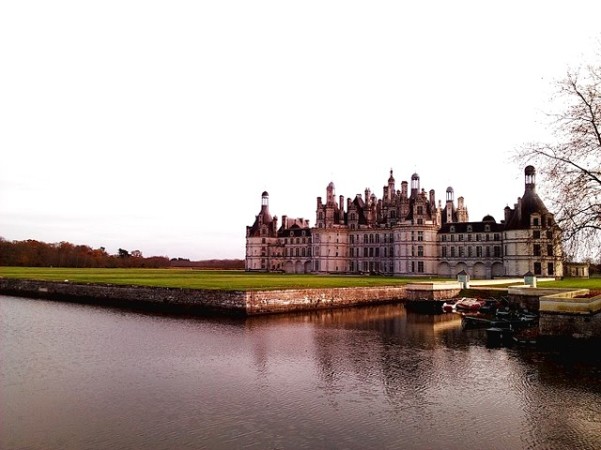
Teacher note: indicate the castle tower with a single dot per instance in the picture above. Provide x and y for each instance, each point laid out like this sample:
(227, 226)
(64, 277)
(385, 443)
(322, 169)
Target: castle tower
(414, 185)
(449, 206)
(390, 191)
(264, 216)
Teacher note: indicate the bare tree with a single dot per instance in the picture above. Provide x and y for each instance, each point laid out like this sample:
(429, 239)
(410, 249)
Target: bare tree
(571, 164)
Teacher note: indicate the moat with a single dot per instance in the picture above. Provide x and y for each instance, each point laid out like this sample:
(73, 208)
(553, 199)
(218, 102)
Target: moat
(78, 376)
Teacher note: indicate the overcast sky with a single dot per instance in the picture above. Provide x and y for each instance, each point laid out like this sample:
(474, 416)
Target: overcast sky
(156, 125)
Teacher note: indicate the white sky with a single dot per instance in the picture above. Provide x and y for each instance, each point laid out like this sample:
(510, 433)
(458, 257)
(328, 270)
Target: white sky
(156, 125)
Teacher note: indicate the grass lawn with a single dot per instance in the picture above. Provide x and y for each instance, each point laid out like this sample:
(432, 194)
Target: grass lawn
(198, 279)
(234, 279)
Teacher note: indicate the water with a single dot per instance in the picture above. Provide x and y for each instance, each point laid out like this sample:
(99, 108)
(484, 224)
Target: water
(83, 377)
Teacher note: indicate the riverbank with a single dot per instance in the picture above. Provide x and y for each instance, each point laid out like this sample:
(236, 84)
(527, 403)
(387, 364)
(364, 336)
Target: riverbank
(194, 301)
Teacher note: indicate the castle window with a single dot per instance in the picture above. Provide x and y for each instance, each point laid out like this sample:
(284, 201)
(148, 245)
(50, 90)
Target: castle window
(536, 234)
(365, 252)
(420, 221)
(320, 215)
(353, 216)
(537, 268)
(536, 250)
(549, 250)
(535, 221)
(444, 238)
(303, 252)
(469, 228)
(292, 233)
(302, 234)
(377, 238)
(488, 252)
(377, 252)
(497, 251)
(452, 229)
(452, 252)
(461, 252)
(497, 237)
(478, 252)
(478, 237)
(549, 234)
(420, 266)
(371, 238)
(444, 252)
(461, 237)
(420, 250)
(486, 227)
(420, 236)
(365, 238)
(549, 268)
(371, 251)
(469, 237)
(470, 252)
(413, 235)
(263, 241)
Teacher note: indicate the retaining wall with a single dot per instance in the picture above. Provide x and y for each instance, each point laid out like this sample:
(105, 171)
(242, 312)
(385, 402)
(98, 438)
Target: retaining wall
(202, 300)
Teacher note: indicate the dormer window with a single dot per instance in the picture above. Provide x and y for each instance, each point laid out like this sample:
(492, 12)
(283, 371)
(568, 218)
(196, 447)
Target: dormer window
(469, 229)
(486, 227)
(292, 233)
(452, 229)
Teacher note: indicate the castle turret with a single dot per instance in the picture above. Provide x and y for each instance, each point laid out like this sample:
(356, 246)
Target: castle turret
(449, 205)
(390, 191)
(414, 185)
(264, 216)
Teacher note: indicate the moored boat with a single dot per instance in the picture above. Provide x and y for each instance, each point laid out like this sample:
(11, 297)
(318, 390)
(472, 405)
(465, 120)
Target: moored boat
(469, 304)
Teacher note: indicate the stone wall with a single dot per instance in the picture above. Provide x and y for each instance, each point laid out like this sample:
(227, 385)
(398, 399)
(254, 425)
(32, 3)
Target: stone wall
(155, 298)
(202, 300)
(570, 326)
(266, 302)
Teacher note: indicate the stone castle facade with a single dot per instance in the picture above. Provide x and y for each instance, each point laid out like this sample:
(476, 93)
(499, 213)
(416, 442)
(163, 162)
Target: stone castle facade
(406, 233)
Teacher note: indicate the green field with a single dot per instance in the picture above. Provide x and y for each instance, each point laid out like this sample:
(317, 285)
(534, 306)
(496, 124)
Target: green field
(231, 279)
(198, 279)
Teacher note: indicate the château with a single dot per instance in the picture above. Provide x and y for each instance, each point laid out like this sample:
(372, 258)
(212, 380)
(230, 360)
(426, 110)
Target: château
(405, 233)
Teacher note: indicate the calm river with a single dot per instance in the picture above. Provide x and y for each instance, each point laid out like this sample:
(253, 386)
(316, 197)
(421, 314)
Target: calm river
(84, 377)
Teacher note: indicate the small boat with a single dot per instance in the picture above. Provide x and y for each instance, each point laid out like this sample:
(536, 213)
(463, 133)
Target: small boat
(496, 336)
(449, 304)
(490, 306)
(469, 304)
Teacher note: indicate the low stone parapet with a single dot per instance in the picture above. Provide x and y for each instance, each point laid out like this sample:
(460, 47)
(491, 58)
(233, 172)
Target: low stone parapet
(570, 315)
(432, 290)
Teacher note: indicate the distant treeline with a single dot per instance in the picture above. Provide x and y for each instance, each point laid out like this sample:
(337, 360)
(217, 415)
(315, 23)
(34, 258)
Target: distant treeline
(31, 253)
(214, 264)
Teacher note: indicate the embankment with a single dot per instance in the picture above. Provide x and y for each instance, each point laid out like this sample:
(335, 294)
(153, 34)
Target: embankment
(179, 300)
